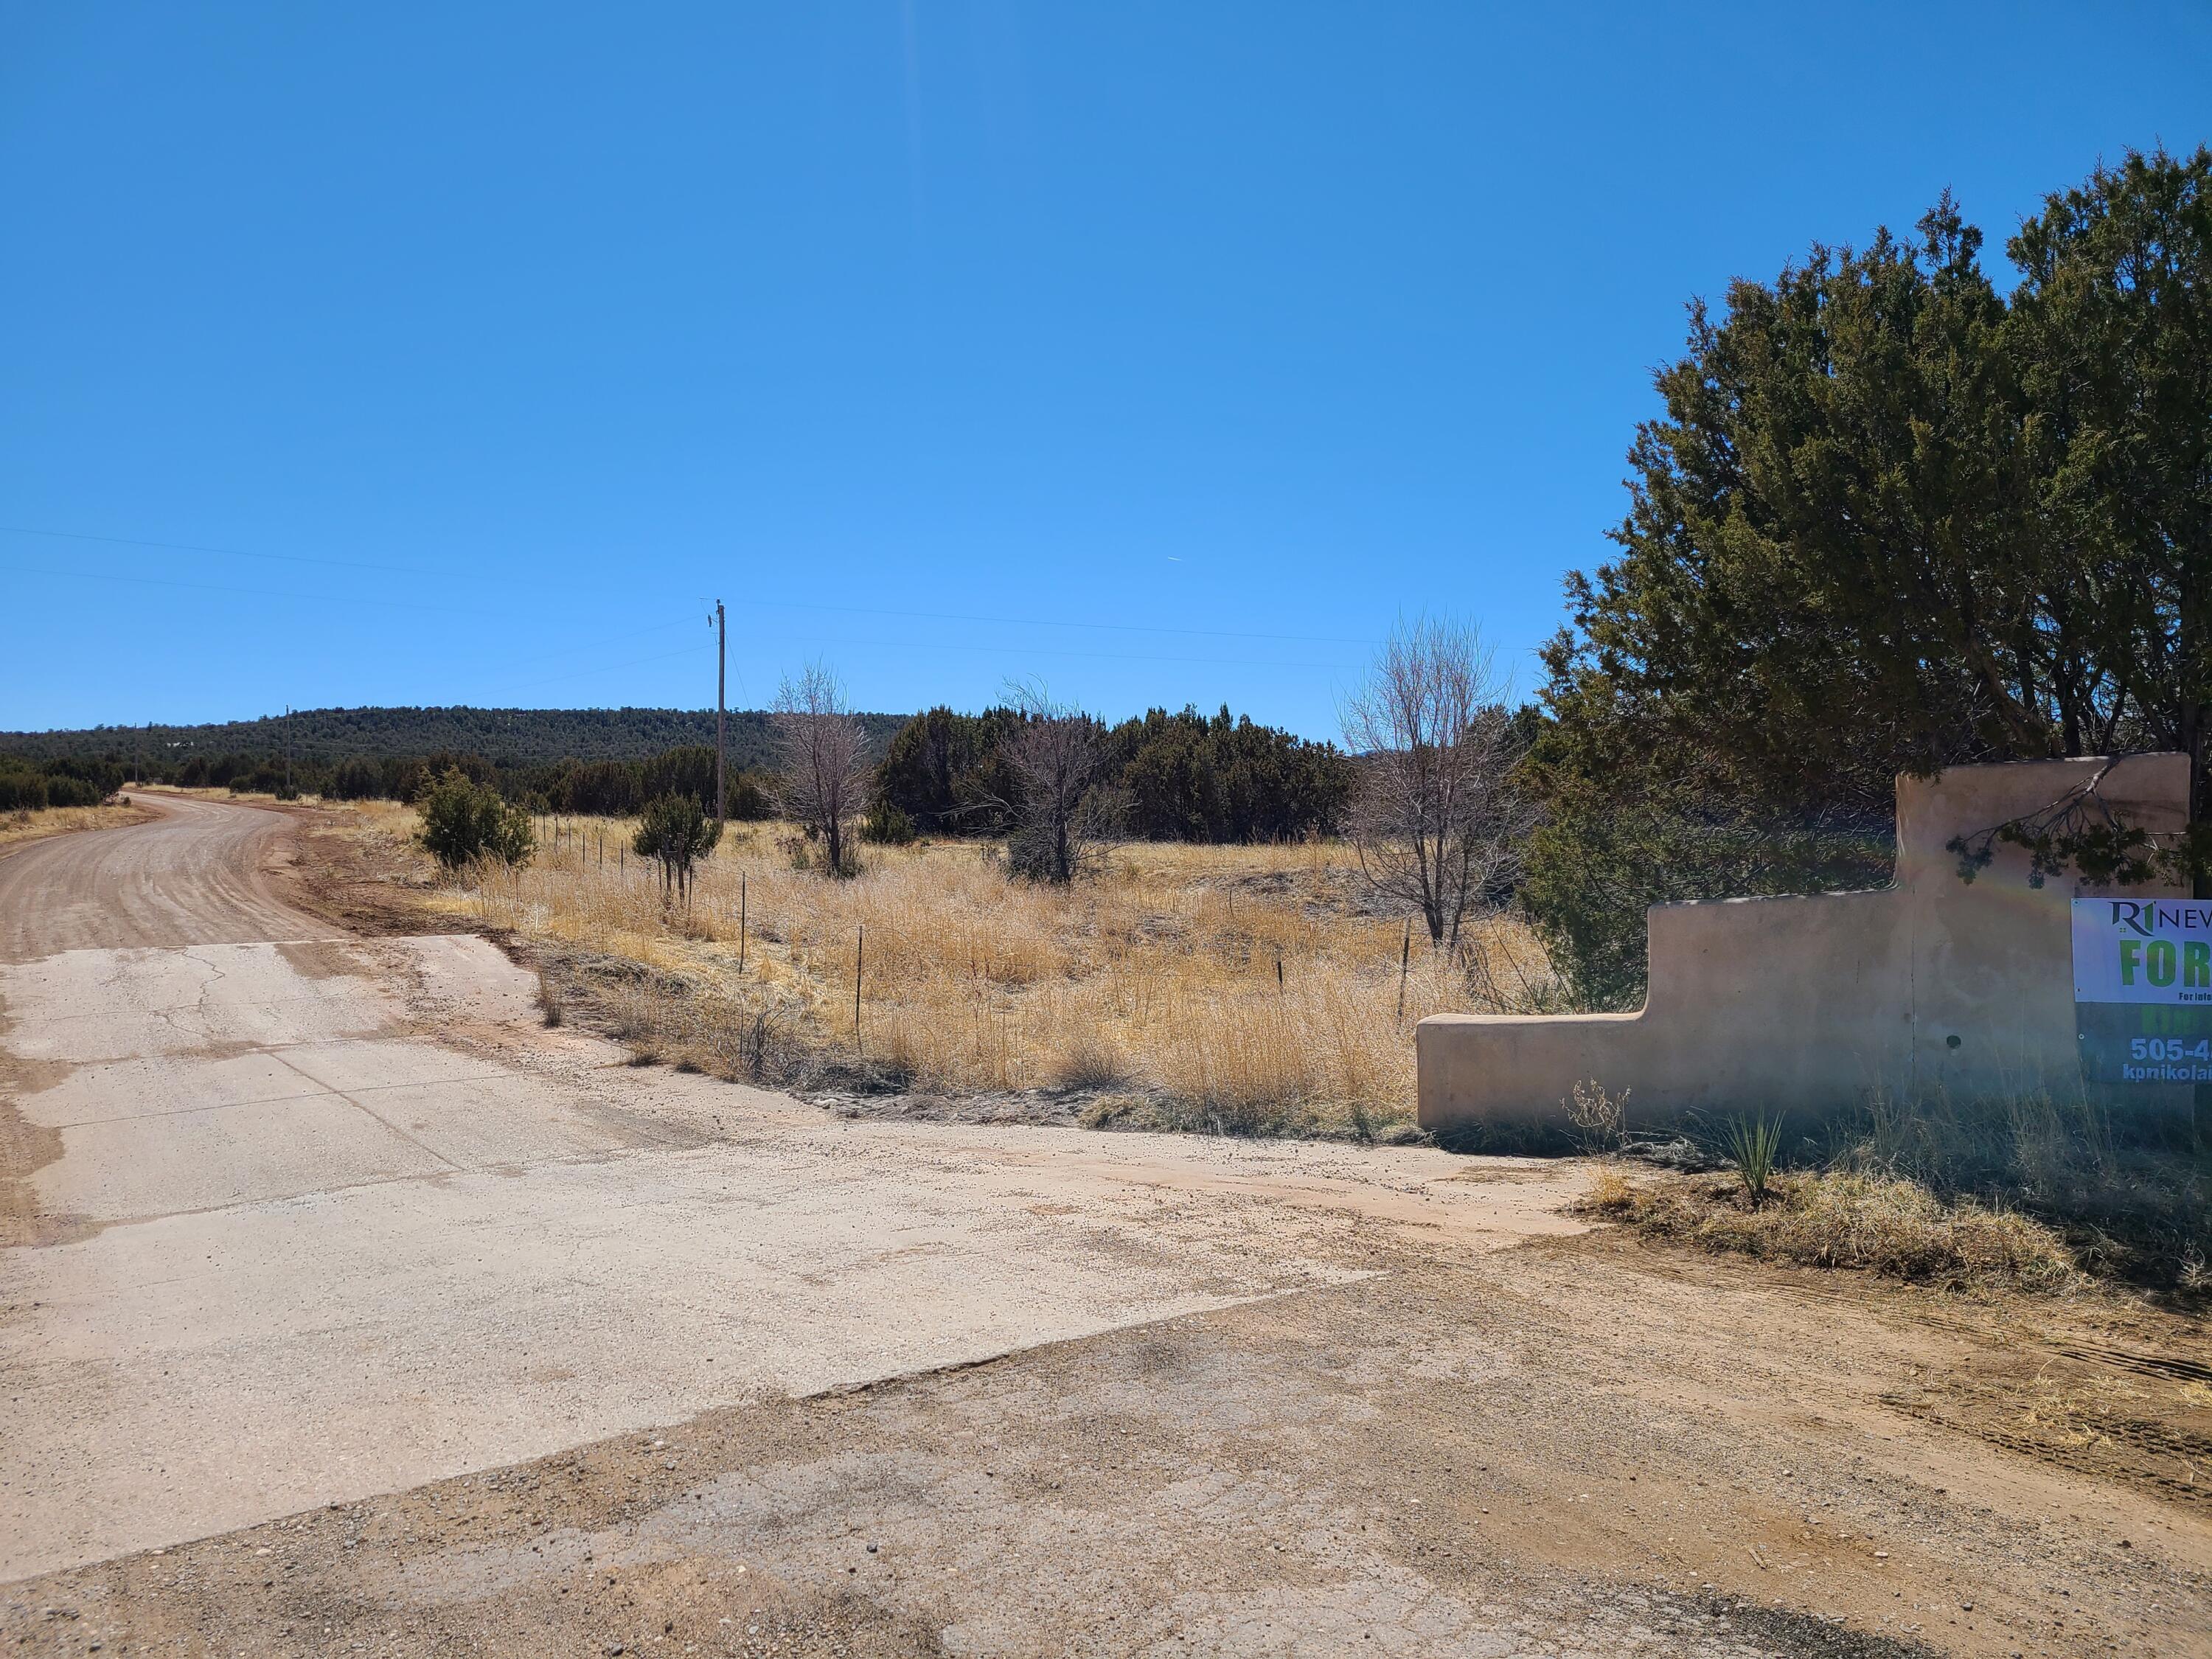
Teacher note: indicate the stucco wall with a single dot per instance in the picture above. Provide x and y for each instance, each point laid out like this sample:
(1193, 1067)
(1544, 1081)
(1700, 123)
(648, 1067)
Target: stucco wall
(1806, 1004)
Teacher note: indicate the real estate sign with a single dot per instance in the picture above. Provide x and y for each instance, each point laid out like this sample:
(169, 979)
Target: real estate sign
(2143, 989)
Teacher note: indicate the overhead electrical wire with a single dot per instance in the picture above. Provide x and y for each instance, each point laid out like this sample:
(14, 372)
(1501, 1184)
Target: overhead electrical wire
(1043, 622)
(214, 588)
(610, 667)
(226, 552)
(756, 604)
(1061, 651)
(911, 644)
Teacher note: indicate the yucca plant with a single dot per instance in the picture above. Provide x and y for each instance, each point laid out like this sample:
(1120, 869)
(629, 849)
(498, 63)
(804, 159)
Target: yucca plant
(1751, 1145)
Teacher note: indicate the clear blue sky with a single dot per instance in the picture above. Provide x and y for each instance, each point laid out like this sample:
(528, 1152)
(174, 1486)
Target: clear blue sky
(1242, 328)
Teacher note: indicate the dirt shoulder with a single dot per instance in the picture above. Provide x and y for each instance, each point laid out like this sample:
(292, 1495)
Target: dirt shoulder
(353, 875)
(1566, 1447)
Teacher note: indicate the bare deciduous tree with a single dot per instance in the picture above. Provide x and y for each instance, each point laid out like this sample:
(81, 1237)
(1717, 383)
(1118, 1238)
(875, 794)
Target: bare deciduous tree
(1437, 819)
(824, 772)
(1067, 813)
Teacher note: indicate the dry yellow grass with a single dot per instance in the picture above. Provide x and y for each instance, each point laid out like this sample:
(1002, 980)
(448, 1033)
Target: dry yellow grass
(61, 820)
(1229, 986)
(1838, 1219)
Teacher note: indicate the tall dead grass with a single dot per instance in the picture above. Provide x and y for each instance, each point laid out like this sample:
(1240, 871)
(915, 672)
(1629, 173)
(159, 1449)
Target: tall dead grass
(24, 824)
(1236, 987)
(2131, 1193)
(2031, 1190)
(1837, 1219)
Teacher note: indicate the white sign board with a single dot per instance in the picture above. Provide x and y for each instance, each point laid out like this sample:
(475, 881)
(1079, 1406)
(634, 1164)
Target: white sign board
(2142, 990)
(2155, 950)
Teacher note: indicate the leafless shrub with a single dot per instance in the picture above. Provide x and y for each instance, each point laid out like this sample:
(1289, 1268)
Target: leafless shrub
(1600, 1119)
(824, 771)
(1438, 820)
(1064, 818)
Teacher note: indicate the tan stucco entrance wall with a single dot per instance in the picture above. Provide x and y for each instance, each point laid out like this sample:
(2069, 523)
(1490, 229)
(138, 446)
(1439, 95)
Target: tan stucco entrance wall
(1807, 1005)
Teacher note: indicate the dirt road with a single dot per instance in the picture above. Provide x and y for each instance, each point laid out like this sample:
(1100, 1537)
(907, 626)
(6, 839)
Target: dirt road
(492, 1343)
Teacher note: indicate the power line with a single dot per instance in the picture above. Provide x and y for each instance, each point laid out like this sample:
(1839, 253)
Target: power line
(936, 645)
(324, 598)
(1001, 649)
(610, 667)
(214, 587)
(226, 552)
(607, 639)
(781, 605)
(1041, 621)
(1061, 651)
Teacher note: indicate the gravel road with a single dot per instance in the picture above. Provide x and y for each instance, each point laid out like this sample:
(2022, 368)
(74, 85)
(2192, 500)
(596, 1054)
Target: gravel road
(346, 1307)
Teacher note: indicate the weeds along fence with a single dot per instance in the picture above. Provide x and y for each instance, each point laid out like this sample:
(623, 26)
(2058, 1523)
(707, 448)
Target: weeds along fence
(1234, 980)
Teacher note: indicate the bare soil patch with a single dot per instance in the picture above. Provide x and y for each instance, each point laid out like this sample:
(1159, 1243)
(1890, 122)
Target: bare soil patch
(361, 877)
(2102, 1381)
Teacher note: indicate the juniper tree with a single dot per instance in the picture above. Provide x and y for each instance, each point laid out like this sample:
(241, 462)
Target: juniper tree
(1890, 520)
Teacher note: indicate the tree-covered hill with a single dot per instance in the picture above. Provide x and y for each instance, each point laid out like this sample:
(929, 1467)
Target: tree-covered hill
(507, 737)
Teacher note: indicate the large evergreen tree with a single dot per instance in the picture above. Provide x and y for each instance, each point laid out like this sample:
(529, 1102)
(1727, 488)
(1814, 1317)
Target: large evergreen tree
(1889, 521)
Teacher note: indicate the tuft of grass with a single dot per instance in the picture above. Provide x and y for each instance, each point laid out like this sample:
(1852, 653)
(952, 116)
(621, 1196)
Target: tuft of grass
(1612, 1193)
(2036, 1189)
(549, 999)
(1090, 1061)
(1120, 1111)
(1839, 1219)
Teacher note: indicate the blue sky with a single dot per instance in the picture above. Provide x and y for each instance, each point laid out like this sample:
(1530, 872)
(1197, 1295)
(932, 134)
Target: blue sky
(1163, 351)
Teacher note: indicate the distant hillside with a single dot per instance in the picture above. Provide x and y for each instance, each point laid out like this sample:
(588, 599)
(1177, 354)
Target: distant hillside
(506, 737)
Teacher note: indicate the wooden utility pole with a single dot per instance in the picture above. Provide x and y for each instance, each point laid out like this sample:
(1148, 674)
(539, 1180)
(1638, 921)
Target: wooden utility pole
(721, 675)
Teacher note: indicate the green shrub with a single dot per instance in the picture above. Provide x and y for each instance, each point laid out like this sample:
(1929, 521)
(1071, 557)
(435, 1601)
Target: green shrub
(1184, 776)
(749, 799)
(675, 832)
(21, 792)
(26, 785)
(463, 822)
(887, 825)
